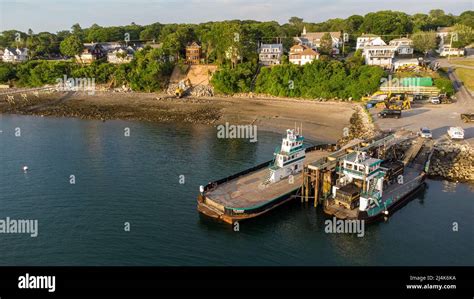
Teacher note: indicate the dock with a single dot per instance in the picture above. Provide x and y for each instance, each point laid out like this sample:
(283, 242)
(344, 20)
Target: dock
(250, 193)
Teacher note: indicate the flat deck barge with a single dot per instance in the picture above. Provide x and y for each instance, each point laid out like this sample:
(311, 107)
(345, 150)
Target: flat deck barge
(245, 195)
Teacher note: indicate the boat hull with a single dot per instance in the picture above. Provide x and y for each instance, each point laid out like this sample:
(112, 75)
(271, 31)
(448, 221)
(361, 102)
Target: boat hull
(411, 187)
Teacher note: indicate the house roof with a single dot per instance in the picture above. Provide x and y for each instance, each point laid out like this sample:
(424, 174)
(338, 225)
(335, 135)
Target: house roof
(193, 45)
(444, 29)
(309, 51)
(369, 35)
(14, 50)
(319, 35)
(403, 39)
(155, 45)
(298, 46)
(271, 46)
(377, 47)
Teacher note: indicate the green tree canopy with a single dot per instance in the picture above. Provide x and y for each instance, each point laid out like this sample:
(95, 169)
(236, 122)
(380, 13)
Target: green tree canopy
(424, 41)
(71, 46)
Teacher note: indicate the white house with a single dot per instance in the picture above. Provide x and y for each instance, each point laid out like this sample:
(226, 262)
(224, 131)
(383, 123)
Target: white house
(379, 55)
(404, 45)
(91, 52)
(120, 54)
(15, 55)
(270, 54)
(369, 40)
(442, 33)
(301, 55)
(448, 51)
(444, 47)
(313, 40)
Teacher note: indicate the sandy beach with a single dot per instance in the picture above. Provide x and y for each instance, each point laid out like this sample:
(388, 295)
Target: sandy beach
(322, 121)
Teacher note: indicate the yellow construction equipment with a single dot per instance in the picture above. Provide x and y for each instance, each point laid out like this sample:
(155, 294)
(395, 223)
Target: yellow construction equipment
(183, 86)
(397, 102)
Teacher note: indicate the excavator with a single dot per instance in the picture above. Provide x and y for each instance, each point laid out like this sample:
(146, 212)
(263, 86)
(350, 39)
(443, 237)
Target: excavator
(397, 102)
(183, 86)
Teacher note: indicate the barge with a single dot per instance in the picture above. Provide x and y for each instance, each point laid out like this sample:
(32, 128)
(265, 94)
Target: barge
(371, 189)
(264, 187)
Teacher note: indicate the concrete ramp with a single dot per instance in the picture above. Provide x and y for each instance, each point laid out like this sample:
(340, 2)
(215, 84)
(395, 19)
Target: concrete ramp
(413, 151)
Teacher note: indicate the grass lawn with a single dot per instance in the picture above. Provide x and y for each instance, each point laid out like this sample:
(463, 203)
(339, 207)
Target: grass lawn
(466, 76)
(419, 73)
(468, 62)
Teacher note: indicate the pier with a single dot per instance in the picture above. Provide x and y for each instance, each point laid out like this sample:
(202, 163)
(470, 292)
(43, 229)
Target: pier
(250, 193)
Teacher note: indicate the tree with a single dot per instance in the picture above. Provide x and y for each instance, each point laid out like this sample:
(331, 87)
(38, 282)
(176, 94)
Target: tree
(421, 22)
(71, 46)
(295, 21)
(77, 31)
(467, 18)
(436, 13)
(387, 23)
(464, 36)
(326, 44)
(424, 41)
(7, 72)
(353, 23)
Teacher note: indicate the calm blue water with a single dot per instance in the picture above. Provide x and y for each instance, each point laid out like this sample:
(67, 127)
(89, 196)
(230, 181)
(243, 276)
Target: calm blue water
(136, 179)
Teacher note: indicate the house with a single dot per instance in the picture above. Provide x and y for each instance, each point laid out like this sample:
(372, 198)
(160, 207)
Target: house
(110, 46)
(380, 55)
(91, 53)
(193, 53)
(15, 55)
(404, 45)
(270, 54)
(301, 55)
(120, 54)
(448, 51)
(369, 40)
(313, 40)
(444, 47)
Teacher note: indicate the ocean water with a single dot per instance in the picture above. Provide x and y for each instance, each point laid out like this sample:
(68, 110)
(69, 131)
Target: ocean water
(139, 180)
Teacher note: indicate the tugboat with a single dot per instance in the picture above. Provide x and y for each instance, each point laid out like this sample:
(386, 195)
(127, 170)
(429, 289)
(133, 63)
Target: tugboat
(289, 158)
(370, 189)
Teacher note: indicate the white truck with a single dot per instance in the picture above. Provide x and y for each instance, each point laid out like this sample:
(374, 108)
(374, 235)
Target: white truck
(456, 133)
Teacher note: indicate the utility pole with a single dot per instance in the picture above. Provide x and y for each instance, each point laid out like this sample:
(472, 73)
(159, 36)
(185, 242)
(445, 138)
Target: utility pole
(451, 43)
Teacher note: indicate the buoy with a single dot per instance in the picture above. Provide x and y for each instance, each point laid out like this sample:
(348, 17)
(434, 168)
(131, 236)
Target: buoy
(385, 212)
(25, 168)
(201, 189)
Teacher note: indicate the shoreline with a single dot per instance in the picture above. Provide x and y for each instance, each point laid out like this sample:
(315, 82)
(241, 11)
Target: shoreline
(322, 121)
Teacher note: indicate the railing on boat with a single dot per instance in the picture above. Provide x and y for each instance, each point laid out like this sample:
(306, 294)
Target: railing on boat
(214, 184)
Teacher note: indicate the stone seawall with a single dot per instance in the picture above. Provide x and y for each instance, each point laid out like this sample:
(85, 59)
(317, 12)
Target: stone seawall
(452, 161)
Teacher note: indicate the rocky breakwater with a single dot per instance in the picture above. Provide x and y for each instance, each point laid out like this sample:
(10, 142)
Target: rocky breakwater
(452, 161)
(361, 126)
(194, 91)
